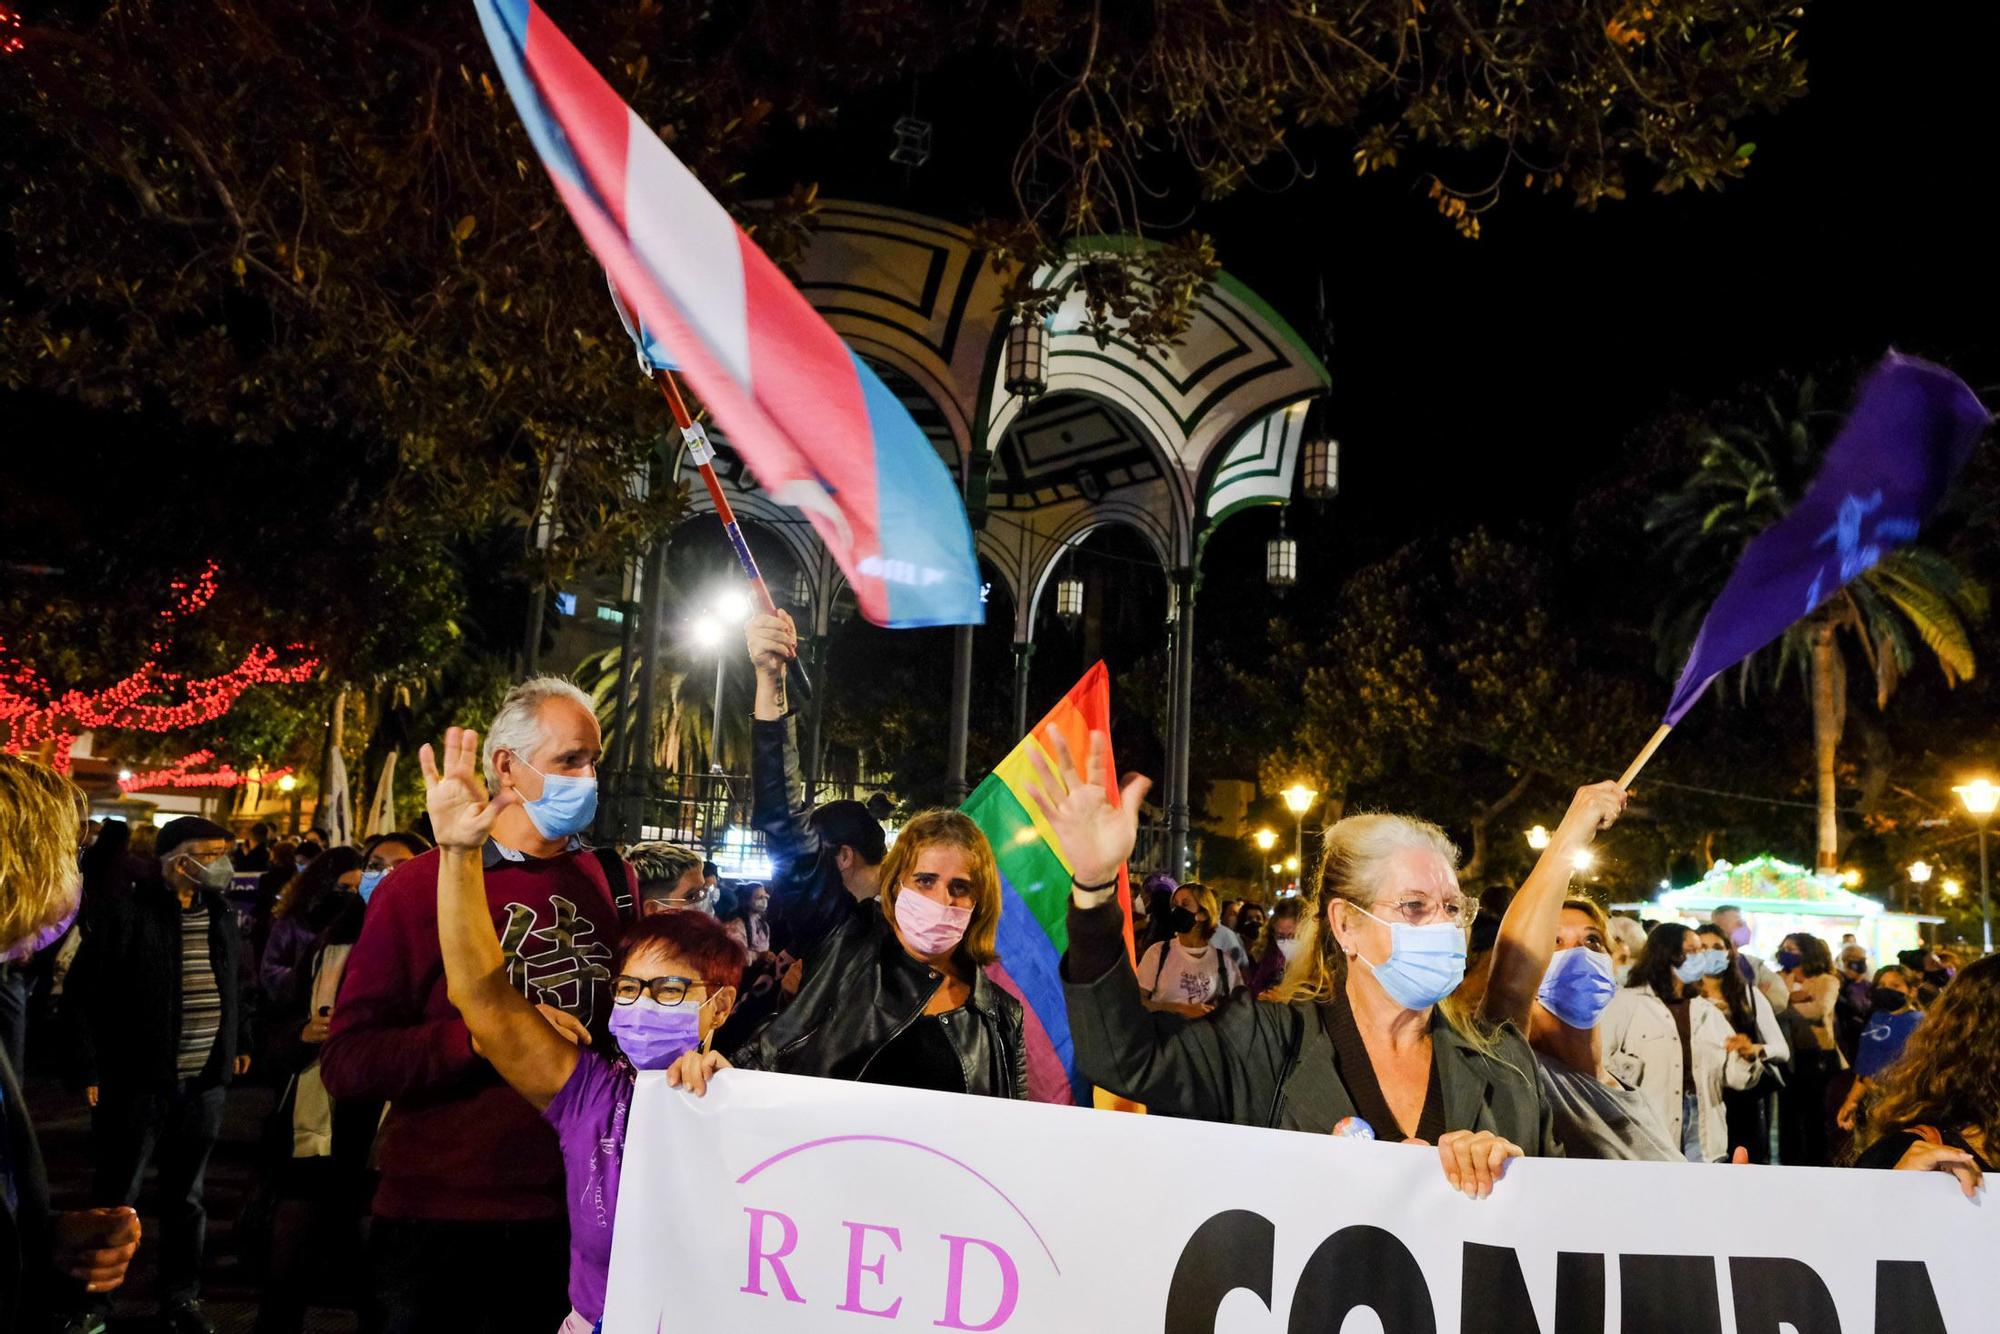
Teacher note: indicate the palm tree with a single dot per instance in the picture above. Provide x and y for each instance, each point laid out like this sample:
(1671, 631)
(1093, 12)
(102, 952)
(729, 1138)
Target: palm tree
(683, 721)
(1748, 476)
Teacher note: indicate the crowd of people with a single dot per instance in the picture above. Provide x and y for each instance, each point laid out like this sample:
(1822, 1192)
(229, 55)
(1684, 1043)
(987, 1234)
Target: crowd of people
(454, 1016)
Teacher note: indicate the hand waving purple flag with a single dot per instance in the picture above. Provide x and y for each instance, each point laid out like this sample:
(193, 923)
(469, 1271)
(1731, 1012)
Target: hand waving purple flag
(1912, 429)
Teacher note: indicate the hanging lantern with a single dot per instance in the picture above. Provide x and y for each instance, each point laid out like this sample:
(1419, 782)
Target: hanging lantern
(1281, 558)
(802, 589)
(1069, 598)
(1319, 466)
(1027, 357)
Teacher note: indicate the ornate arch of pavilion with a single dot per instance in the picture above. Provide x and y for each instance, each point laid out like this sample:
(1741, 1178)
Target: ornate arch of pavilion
(1167, 442)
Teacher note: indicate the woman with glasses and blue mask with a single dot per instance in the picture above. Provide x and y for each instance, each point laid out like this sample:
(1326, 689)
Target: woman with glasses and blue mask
(1553, 979)
(672, 985)
(1661, 1037)
(1359, 1038)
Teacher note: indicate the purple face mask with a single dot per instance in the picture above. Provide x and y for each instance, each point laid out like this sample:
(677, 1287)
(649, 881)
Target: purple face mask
(1740, 936)
(653, 1036)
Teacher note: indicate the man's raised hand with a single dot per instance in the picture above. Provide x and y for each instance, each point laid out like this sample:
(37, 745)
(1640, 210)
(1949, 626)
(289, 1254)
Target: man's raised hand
(461, 814)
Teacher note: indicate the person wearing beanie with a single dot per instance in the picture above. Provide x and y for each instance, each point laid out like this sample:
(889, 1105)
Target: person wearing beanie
(157, 1029)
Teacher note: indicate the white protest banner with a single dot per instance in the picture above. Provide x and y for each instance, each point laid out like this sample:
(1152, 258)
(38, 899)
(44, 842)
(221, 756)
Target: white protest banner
(779, 1203)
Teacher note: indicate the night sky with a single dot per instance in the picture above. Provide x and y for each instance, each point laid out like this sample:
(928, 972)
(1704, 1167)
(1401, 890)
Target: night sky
(1521, 360)
(1492, 382)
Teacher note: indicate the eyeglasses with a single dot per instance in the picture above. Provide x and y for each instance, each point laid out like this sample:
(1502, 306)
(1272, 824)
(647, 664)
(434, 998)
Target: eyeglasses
(626, 989)
(377, 864)
(1423, 912)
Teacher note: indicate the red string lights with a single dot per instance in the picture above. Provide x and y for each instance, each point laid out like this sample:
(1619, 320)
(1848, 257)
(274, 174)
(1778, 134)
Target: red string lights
(10, 32)
(149, 699)
(182, 773)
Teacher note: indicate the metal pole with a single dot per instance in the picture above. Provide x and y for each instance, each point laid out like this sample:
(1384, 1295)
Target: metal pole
(715, 725)
(1299, 851)
(959, 740)
(815, 655)
(1024, 652)
(1183, 705)
(1985, 894)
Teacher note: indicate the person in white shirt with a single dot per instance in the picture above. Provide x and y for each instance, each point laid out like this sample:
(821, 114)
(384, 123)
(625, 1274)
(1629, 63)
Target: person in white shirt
(1191, 973)
(1661, 1037)
(1750, 1013)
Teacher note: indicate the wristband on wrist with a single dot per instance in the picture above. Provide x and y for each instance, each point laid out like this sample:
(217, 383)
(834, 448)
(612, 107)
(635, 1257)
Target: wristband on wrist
(1112, 883)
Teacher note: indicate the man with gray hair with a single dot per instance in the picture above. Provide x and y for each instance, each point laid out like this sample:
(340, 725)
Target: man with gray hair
(472, 1180)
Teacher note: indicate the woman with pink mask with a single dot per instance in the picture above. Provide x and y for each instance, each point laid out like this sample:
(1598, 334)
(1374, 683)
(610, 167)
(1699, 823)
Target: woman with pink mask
(894, 987)
(896, 993)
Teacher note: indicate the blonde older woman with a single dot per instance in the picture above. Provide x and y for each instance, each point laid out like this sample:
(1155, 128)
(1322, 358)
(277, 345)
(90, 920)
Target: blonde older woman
(1356, 1039)
(47, 1260)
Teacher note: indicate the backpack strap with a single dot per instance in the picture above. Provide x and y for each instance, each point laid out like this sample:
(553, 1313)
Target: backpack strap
(617, 884)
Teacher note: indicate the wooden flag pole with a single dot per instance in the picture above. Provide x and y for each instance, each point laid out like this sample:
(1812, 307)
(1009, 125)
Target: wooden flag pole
(1632, 770)
(703, 455)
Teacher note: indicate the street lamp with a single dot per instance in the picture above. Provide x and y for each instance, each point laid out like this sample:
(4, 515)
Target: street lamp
(1980, 797)
(730, 607)
(1583, 860)
(1920, 874)
(1027, 357)
(1538, 838)
(289, 785)
(1281, 557)
(1851, 878)
(1298, 800)
(1292, 865)
(1069, 599)
(1952, 889)
(1265, 839)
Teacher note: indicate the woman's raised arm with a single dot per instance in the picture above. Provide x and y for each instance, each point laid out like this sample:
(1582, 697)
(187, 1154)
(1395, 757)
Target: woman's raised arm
(1528, 931)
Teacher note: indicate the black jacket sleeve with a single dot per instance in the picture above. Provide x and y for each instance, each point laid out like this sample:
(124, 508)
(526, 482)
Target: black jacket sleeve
(1229, 1066)
(809, 901)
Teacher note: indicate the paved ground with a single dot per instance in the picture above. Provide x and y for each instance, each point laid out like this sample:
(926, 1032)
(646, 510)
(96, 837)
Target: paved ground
(63, 1123)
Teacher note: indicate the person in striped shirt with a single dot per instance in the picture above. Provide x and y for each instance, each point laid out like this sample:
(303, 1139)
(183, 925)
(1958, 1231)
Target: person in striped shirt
(158, 1029)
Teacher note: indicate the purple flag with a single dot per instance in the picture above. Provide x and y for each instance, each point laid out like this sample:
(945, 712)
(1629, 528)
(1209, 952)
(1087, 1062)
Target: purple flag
(1912, 429)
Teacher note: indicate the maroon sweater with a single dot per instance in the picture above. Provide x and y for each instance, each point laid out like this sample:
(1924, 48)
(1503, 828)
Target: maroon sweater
(458, 1143)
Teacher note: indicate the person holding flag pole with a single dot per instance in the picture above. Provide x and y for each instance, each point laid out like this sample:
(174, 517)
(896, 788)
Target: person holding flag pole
(895, 989)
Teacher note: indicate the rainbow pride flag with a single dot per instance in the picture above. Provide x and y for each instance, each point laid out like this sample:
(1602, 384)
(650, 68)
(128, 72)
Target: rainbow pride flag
(1034, 882)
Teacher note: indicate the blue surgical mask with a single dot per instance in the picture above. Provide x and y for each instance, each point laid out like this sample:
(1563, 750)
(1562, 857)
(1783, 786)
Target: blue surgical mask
(1714, 963)
(1692, 969)
(567, 804)
(369, 879)
(653, 1036)
(1578, 985)
(1425, 963)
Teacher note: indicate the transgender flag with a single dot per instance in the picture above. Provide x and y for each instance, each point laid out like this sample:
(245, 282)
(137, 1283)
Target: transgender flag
(1034, 880)
(1912, 429)
(817, 427)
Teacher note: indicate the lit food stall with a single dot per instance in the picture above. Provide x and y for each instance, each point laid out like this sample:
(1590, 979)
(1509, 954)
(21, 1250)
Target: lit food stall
(1779, 898)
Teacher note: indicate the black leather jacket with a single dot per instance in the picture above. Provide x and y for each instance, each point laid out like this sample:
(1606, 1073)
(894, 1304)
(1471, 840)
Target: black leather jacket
(860, 988)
